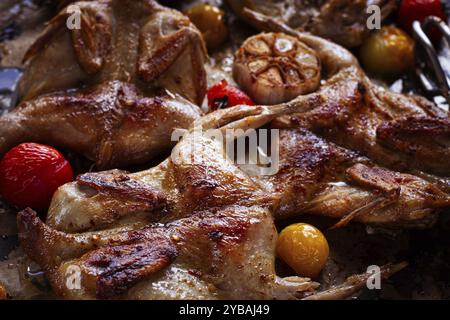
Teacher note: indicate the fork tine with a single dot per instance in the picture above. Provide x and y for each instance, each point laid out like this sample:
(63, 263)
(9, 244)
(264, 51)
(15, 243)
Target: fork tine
(440, 24)
(9, 79)
(422, 38)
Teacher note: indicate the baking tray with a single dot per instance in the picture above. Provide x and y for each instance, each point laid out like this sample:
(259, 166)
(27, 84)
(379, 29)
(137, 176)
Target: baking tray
(352, 248)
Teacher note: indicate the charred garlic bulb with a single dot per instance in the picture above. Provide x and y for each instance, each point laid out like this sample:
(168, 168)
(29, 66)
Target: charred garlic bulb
(274, 68)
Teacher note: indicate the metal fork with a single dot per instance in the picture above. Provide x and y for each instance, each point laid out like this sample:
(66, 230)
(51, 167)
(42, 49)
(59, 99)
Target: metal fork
(438, 82)
(9, 91)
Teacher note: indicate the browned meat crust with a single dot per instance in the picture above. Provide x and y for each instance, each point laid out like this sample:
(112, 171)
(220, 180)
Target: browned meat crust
(97, 90)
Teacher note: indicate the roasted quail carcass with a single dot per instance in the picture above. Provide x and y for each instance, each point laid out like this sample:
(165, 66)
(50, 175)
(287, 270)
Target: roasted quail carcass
(402, 132)
(112, 123)
(342, 21)
(194, 227)
(118, 83)
(317, 177)
(395, 130)
(314, 177)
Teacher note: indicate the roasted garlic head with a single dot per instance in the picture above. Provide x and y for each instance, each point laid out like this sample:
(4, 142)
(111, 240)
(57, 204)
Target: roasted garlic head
(274, 68)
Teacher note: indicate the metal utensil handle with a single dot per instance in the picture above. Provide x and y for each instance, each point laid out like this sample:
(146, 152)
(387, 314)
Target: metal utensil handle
(421, 37)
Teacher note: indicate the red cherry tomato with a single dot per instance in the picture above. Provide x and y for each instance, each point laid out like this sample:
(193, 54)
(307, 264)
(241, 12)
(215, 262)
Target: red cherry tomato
(222, 95)
(411, 10)
(30, 173)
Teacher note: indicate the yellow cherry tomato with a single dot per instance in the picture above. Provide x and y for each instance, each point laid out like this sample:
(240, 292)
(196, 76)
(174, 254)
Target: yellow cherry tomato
(210, 20)
(304, 248)
(390, 52)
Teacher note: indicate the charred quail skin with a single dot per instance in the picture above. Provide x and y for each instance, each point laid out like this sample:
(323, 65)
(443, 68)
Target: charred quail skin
(97, 91)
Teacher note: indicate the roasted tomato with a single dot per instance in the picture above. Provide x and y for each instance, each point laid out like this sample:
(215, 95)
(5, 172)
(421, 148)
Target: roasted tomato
(390, 51)
(30, 173)
(304, 248)
(222, 95)
(210, 20)
(411, 10)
